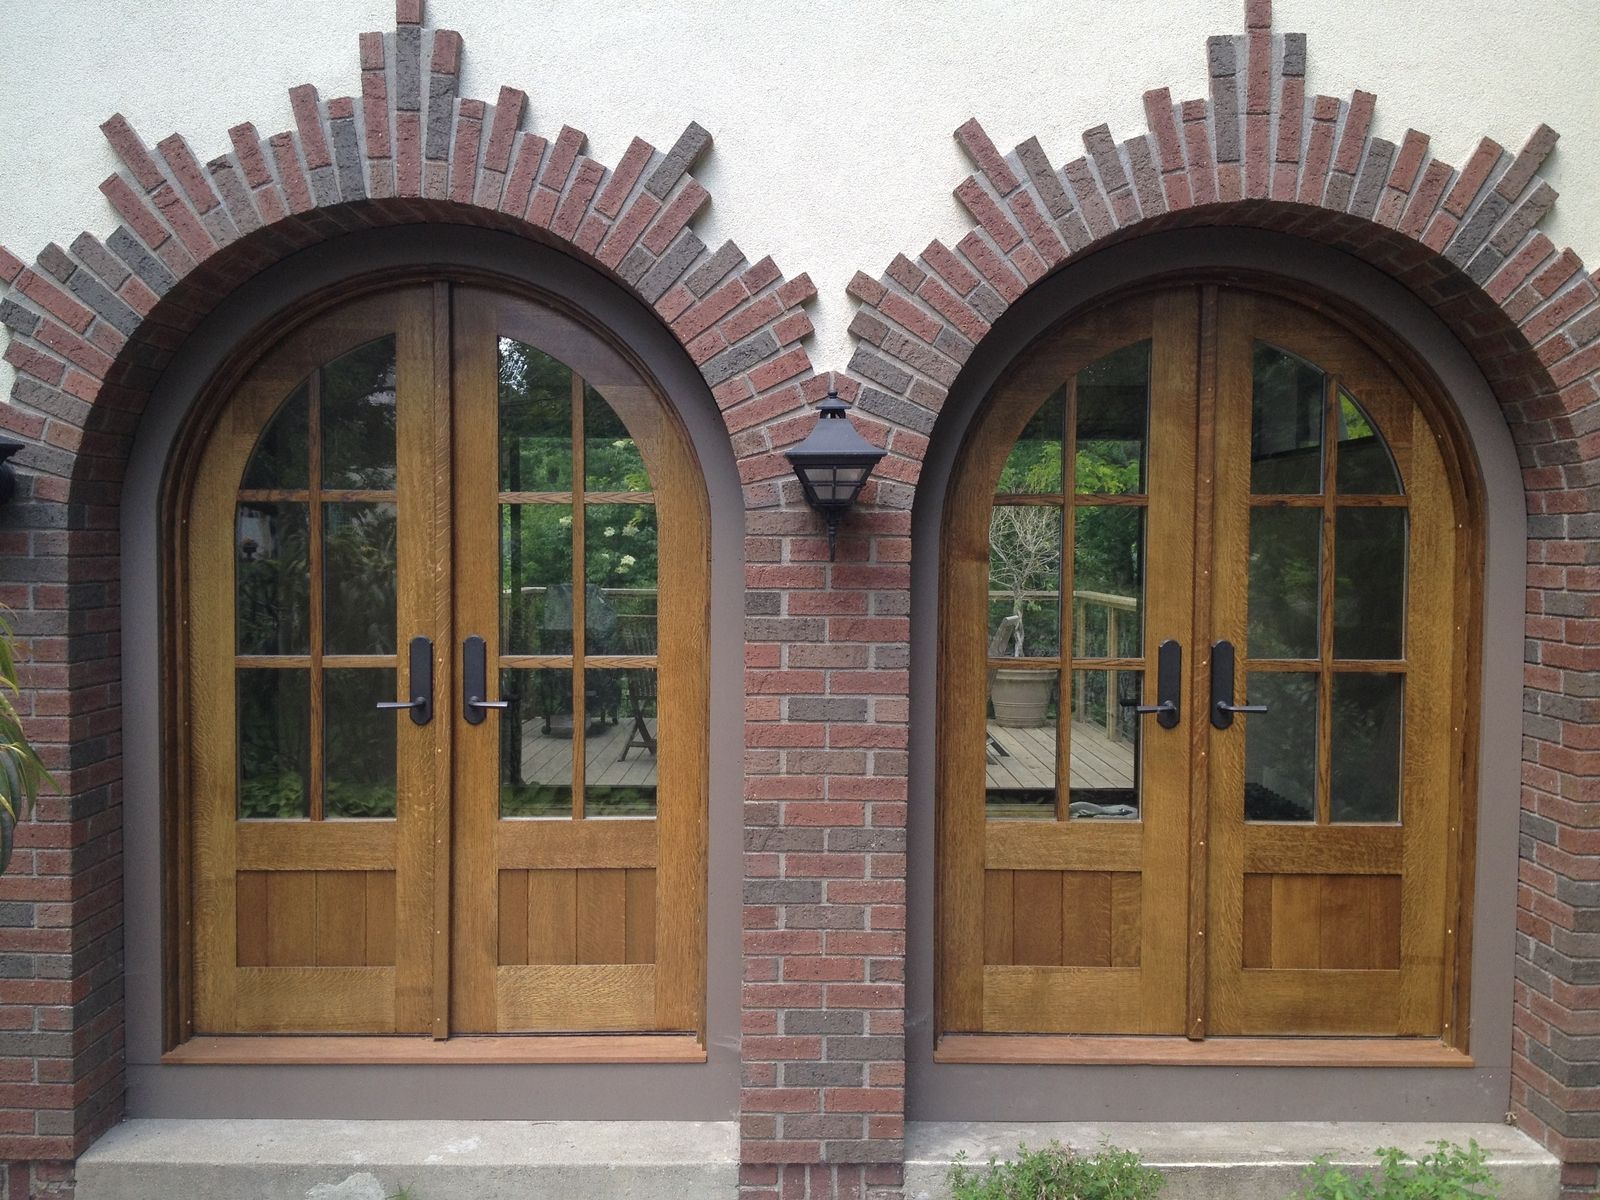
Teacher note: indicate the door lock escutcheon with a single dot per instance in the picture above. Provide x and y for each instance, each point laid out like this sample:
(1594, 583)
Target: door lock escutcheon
(1222, 705)
(475, 682)
(420, 679)
(1168, 708)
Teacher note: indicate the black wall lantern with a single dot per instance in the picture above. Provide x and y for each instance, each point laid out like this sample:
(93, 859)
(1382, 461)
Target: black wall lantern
(833, 464)
(8, 474)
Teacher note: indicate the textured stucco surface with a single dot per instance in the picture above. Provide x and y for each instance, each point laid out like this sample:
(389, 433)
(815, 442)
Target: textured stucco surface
(833, 118)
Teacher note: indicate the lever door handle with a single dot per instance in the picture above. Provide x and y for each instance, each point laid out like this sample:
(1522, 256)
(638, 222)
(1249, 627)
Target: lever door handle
(475, 682)
(1222, 705)
(1169, 686)
(421, 680)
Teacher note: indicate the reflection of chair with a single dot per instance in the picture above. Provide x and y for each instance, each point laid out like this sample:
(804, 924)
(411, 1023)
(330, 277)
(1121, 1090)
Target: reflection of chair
(601, 695)
(1005, 635)
(639, 638)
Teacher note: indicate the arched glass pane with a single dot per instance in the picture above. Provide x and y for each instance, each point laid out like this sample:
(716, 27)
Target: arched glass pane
(611, 458)
(358, 418)
(282, 453)
(1286, 404)
(1366, 467)
(1034, 464)
(1111, 422)
(535, 420)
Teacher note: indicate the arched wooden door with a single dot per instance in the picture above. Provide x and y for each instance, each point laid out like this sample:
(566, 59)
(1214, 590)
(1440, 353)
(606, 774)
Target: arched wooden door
(1206, 586)
(436, 784)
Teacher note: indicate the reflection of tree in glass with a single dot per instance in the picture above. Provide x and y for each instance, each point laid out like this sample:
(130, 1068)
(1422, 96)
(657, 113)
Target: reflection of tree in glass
(1025, 560)
(358, 418)
(358, 744)
(271, 579)
(535, 420)
(274, 728)
(359, 577)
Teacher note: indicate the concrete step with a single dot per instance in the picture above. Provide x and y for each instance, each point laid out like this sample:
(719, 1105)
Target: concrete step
(682, 1160)
(432, 1160)
(1228, 1161)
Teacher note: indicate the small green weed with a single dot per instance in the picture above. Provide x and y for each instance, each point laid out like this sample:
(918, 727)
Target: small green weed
(1056, 1173)
(1447, 1173)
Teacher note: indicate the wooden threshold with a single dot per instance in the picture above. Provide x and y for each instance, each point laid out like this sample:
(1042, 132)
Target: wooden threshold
(484, 1050)
(1181, 1052)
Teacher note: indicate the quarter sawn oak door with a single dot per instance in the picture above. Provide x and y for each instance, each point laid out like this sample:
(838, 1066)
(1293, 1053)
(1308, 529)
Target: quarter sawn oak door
(1202, 685)
(447, 712)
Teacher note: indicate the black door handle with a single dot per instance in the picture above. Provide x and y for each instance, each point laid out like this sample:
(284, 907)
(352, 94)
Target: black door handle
(475, 682)
(1222, 705)
(421, 683)
(1168, 708)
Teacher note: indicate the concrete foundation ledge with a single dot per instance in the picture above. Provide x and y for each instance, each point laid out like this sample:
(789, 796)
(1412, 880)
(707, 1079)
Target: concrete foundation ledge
(433, 1160)
(1226, 1160)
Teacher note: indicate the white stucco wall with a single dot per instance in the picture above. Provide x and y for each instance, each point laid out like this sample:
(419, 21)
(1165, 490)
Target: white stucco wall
(832, 117)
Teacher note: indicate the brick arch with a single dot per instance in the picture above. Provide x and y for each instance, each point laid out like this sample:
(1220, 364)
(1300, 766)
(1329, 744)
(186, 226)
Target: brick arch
(92, 326)
(1259, 152)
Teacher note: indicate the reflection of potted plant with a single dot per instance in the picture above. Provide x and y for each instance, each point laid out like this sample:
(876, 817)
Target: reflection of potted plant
(1025, 566)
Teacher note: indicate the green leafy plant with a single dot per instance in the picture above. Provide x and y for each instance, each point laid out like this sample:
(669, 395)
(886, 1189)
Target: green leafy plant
(1448, 1172)
(1056, 1173)
(21, 771)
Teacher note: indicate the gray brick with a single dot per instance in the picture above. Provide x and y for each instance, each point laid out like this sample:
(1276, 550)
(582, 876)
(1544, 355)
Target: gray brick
(784, 839)
(826, 916)
(866, 1049)
(16, 914)
(1294, 55)
(1528, 214)
(833, 1021)
(1045, 181)
(145, 265)
(763, 604)
(867, 841)
(672, 264)
(408, 68)
(97, 296)
(879, 1150)
(325, 186)
(634, 265)
(812, 708)
(786, 629)
(441, 115)
(987, 302)
(715, 269)
(740, 358)
(828, 1074)
(782, 891)
(14, 316)
(1476, 231)
(686, 151)
(347, 160)
(1374, 171)
(880, 371)
(95, 256)
(896, 410)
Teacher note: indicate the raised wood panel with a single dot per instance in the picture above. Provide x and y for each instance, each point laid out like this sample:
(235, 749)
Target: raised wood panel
(1322, 922)
(577, 917)
(316, 918)
(315, 999)
(1062, 918)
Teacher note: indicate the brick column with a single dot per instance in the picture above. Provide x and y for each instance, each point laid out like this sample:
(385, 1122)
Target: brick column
(822, 1107)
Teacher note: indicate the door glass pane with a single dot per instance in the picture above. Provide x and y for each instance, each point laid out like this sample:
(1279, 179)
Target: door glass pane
(1369, 586)
(1286, 424)
(358, 574)
(1366, 468)
(1020, 745)
(1105, 745)
(621, 567)
(1367, 716)
(1285, 574)
(1113, 406)
(281, 455)
(358, 418)
(274, 737)
(536, 743)
(1025, 580)
(1107, 581)
(611, 459)
(1280, 747)
(1034, 464)
(619, 752)
(358, 742)
(272, 581)
(535, 420)
(536, 579)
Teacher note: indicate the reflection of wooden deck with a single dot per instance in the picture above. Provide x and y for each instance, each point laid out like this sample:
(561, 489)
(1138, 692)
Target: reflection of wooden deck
(548, 760)
(1030, 758)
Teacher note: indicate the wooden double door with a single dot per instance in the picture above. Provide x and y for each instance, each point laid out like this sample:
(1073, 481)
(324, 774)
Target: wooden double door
(1206, 580)
(444, 711)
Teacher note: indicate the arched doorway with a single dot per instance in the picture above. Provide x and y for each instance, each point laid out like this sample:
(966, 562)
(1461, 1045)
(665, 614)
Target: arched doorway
(1192, 499)
(429, 786)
